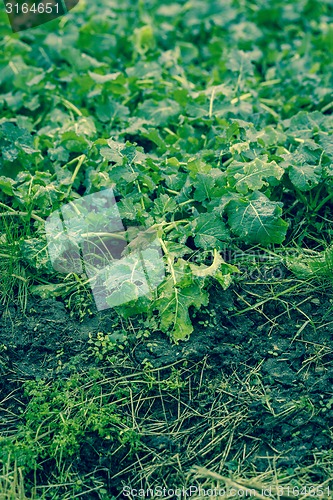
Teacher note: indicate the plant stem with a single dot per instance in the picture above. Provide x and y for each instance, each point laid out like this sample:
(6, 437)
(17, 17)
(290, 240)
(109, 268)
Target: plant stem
(22, 214)
(322, 203)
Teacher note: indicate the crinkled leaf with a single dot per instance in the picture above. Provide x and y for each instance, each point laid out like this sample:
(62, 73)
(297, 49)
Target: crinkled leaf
(34, 251)
(252, 175)
(210, 231)
(173, 307)
(256, 219)
(128, 209)
(305, 177)
(164, 205)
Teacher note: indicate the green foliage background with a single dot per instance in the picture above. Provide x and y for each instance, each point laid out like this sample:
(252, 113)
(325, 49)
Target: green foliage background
(210, 120)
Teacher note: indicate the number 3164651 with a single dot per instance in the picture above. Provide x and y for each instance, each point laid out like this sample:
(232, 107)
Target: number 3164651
(35, 8)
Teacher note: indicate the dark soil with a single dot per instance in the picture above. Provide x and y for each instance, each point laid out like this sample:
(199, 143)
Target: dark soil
(275, 367)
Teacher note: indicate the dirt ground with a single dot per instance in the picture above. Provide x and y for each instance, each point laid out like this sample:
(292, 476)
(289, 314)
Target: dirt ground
(253, 388)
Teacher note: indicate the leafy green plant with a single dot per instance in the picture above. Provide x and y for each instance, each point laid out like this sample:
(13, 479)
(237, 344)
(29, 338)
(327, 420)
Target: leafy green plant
(104, 346)
(60, 418)
(201, 122)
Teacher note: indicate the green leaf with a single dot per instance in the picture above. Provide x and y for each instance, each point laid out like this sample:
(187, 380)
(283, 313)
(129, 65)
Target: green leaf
(204, 187)
(302, 167)
(252, 175)
(74, 143)
(163, 205)
(159, 113)
(34, 251)
(49, 291)
(256, 219)
(240, 62)
(154, 136)
(126, 292)
(173, 306)
(305, 177)
(6, 185)
(144, 38)
(128, 209)
(210, 232)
